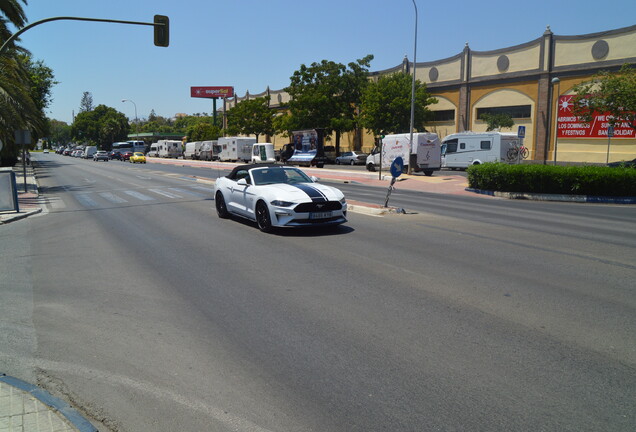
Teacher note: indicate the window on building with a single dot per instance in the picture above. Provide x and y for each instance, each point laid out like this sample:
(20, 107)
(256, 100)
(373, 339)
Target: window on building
(514, 111)
(443, 115)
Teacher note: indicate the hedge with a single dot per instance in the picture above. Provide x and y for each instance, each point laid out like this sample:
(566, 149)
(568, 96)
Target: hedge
(550, 179)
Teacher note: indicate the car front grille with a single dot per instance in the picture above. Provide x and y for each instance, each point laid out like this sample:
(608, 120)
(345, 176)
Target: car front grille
(318, 206)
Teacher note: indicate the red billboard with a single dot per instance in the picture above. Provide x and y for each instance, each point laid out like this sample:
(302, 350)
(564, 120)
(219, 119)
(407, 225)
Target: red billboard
(212, 92)
(572, 126)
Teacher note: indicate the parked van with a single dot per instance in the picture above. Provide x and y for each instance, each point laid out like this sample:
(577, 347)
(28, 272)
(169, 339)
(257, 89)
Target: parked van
(169, 149)
(192, 150)
(89, 152)
(154, 150)
(263, 153)
(461, 150)
(210, 150)
(236, 149)
(424, 152)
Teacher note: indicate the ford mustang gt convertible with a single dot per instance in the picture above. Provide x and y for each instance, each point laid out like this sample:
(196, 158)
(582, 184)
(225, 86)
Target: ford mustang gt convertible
(278, 196)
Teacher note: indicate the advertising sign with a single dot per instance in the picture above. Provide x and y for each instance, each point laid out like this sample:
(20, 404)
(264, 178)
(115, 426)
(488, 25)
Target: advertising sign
(212, 92)
(572, 126)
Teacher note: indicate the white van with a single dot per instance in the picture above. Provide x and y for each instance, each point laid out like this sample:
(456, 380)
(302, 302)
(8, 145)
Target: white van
(89, 152)
(235, 149)
(263, 153)
(463, 149)
(192, 150)
(154, 150)
(169, 149)
(424, 152)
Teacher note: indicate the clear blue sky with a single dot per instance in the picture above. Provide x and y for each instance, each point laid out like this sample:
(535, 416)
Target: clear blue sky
(252, 44)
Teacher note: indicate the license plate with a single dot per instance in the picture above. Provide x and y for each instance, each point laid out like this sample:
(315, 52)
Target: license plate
(320, 215)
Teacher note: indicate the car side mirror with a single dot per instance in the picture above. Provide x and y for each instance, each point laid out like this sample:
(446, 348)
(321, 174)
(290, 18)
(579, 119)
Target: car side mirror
(314, 179)
(242, 182)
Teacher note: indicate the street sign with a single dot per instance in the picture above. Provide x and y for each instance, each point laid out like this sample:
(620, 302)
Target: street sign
(521, 132)
(610, 131)
(397, 166)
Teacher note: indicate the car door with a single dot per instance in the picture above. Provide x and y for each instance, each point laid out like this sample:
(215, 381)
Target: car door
(239, 194)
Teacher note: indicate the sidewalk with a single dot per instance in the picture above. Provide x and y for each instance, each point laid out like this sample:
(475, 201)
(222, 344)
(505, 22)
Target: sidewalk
(28, 200)
(27, 408)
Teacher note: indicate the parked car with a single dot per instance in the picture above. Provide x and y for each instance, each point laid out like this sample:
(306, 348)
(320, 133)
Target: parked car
(137, 157)
(101, 155)
(629, 164)
(351, 158)
(45, 151)
(278, 196)
(114, 154)
(126, 156)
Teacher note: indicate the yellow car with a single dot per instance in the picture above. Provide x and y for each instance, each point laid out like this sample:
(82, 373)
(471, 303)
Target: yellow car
(138, 157)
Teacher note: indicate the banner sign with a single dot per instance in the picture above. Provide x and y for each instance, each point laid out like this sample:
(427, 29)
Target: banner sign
(572, 126)
(212, 92)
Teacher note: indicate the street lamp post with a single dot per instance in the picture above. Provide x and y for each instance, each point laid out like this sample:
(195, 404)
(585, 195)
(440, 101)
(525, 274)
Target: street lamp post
(556, 81)
(413, 92)
(136, 120)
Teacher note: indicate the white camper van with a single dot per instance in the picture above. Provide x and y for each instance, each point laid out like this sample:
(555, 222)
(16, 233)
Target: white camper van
(236, 149)
(263, 153)
(460, 150)
(210, 150)
(192, 150)
(169, 148)
(154, 150)
(89, 152)
(424, 153)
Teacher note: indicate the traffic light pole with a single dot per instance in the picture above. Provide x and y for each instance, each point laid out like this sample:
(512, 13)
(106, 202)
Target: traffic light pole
(162, 24)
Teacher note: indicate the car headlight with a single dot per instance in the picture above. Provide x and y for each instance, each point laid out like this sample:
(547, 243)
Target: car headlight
(343, 201)
(279, 203)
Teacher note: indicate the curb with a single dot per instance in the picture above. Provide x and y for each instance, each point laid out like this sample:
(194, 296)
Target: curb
(18, 216)
(556, 197)
(56, 404)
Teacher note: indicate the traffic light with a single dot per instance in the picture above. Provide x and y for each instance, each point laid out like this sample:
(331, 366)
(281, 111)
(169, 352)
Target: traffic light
(162, 31)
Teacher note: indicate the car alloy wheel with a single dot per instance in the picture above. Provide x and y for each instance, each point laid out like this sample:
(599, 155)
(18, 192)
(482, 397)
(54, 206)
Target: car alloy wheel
(263, 218)
(221, 208)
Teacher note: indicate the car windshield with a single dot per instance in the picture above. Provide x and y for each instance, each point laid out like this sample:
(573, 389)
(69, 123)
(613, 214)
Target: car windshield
(272, 175)
(138, 154)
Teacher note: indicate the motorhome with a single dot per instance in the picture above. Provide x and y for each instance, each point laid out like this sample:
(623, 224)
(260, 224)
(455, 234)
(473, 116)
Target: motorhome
(210, 150)
(463, 149)
(169, 149)
(236, 149)
(192, 150)
(424, 153)
(263, 153)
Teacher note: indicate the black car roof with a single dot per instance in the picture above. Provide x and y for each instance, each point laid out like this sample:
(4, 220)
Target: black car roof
(248, 167)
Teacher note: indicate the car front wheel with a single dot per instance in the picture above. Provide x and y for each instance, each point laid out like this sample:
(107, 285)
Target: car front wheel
(221, 207)
(263, 218)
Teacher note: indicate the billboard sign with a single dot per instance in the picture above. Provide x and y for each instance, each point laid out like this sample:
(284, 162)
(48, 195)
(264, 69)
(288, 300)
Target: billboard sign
(572, 126)
(212, 92)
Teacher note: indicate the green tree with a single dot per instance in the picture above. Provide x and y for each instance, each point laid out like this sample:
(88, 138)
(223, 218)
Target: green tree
(326, 95)
(203, 132)
(497, 121)
(102, 126)
(86, 104)
(251, 117)
(613, 93)
(59, 132)
(386, 105)
(20, 106)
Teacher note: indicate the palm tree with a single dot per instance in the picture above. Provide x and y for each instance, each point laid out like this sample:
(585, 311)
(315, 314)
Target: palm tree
(18, 109)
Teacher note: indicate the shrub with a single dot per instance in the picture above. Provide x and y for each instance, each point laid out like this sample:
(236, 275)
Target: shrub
(549, 179)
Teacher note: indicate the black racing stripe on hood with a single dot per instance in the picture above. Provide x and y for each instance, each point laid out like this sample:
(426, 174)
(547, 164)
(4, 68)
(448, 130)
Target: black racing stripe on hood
(315, 194)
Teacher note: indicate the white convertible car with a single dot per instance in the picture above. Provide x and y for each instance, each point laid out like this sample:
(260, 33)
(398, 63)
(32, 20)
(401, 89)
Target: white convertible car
(278, 196)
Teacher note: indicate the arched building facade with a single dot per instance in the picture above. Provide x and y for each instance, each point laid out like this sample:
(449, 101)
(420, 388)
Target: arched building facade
(518, 80)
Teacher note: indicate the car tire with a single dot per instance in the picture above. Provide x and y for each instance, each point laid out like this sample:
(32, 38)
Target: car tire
(353, 163)
(263, 218)
(337, 162)
(221, 207)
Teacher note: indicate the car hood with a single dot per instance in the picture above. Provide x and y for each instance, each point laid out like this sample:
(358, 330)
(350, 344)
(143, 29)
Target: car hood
(303, 192)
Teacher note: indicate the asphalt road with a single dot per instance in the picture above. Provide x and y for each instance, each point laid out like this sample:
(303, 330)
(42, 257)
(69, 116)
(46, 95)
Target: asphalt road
(132, 300)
